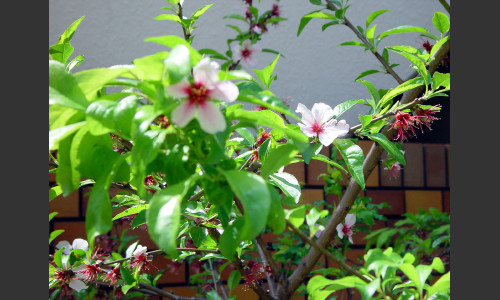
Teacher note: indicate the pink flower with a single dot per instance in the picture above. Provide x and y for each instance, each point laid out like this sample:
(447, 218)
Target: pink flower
(257, 28)
(395, 169)
(404, 124)
(346, 228)
(318, 123)
(245, 52)
(205, 86)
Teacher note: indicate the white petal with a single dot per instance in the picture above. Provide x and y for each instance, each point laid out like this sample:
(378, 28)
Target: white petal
(236, 49)
(140, 250)
(179, 90)
(322, 112)
(327, 137)
(206, 72)
(339, 230)
(256, 48)
(350, 220)
(77, 285)
(350, 239)
(80, 244)
(342, 126)
(210, 117)
(66, 245)
(224, 91)
(332, 131)
(307, 130)
(247, 44)
(184, 113)
(307, 116)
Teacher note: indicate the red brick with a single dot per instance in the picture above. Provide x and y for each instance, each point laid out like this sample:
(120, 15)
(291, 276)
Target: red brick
(72, 230)
(315, 168)
(169, 275)
(358, 236)
(67, 207)
(226, 272)
(447, 146)
(446, 200)
(413, 172)
(395, 198)
(297, 170)
(185, 291)
(435, 165)
(416, 200)
(311, 195)
(244, 294)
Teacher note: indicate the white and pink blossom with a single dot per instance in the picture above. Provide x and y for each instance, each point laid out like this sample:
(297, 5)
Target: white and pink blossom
(197, 94)
(318, 123)
(245, 52)
(346, 229)
(140, 250)
(77, 244)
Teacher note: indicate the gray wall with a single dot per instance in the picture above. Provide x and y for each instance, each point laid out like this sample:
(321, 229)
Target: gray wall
(314, 69)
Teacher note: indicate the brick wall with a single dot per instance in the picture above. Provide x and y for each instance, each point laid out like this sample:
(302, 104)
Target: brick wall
(423, 183)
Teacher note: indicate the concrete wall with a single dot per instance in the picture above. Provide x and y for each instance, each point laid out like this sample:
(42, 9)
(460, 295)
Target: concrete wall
(314, 69)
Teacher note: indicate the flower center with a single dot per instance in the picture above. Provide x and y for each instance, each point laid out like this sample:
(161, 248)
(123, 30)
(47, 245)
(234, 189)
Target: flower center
(198, 93)
(346, 230)
(317, 128)
(246, 52)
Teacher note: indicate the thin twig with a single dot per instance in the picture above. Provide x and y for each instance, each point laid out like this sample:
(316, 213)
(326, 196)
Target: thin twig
(445, 5)
(360, 36)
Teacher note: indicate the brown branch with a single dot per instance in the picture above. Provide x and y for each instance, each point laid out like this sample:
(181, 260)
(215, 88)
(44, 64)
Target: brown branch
(186, 34)
(267, 259)
(360, 36)
(166, 294)
(308, 261)
(445, 5)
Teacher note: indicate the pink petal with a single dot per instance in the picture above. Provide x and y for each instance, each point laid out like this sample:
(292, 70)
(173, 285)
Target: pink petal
(210, 117)
(224, 91)
(350, 239)
(206, 72)
(80, 244)
(236, 49)
(307, 117)
(340, 231)
(307, 130)
(322, 112)
(77, 285)
(179, 90)
(350, 220)
(184, 113)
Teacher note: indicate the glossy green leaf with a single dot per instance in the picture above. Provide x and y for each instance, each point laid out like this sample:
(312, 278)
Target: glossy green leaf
(100, 116)
(75, 62)
(372, 89)
(150, 67)
(374, 15)
(61, 52)
(405, 86)
(277, 158)
(370, 33)
(266, 75)
(62, 132)
(287, 183)
(366, 73)
(313, 15)
(168, 17)
(401, 29)
(55, 234)
(131, 211)
(200, 11)
(353, 157)
(352, 43)
(233, 279)
(441, 22)
(66, 176)
(417, 62)
(163, 216)
(296, 216)
(63, 88)
(69, 32)
(92, 80)
(388, 146)
(341, 108)
(441, 285)
(438, 44)
(325, 159)
(252, 191)
(276, 218)
(230, 238)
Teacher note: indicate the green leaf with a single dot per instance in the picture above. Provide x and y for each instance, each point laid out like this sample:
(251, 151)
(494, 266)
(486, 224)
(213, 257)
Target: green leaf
(100, 116)
(90, 81)
(438, 44)
(325, 159)
(441, 285)
(69, 32)
(266, 75)
(366, 73)
(287, 183)
(150, 67)
(313, 15)
(277, 158)
(405, 86)
(127, 275)
(168, 17)
(440, 80)
(352, 43)
(236, 17)
(62, 132)
(422, 70)
(374, 15)
(441, 22)
(75, 62)
(353, 157)
(130, 211)
(370, 33)
(61, 52)
(401, 29)
(164, 213)
(66, 176)
(63, 88)
(341, 108)
(253, 193)
(213, 53)
(437, 265)
(247, 135)
(296, 216)
(199, 12)
(412, 274)
(171, 41)
(212, 295)
(326, 25)
(372, 89)
(178, 63)
(234, 279)
(54, 234)
(58, 258)
(388, 146)
(230, 238)
(99, 211)
(276, 217)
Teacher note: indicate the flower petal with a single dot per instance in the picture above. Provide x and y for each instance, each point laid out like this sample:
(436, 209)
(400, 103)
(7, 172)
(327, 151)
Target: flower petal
(236, 49)
(322, 112)
(307, 117)
(140, 250)
(66, 245)
(350, 239)
(224, 91)
(350, 220)
(184, 113)
(307, 130)
(77, 285)
(179, 90)
(340, 231)
(80, 244)
(206, 72)
(333, 130)
(210, 117)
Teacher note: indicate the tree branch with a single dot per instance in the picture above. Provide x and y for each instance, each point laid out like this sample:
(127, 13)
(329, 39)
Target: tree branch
(389, 70)
(308, 261)
(445, 5)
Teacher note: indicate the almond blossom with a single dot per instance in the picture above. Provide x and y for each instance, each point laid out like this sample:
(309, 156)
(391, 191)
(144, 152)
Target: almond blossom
(244, 52)
(346, 228)
(318, 123)
(197, 94)
(77, 244)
